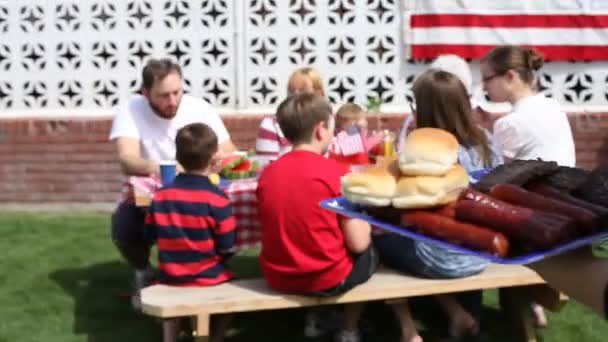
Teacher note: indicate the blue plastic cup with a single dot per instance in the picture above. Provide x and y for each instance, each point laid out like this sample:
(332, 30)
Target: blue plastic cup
(167, 171)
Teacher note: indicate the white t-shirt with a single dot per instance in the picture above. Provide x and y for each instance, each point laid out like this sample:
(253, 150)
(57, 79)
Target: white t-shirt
(136, 119)
(536, 128)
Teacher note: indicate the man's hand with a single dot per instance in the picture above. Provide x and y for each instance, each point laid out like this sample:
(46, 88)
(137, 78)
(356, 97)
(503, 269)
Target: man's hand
(227, 147)
(215, 164)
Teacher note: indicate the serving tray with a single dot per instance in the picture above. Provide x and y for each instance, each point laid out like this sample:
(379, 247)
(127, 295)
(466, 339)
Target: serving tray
(342, 206)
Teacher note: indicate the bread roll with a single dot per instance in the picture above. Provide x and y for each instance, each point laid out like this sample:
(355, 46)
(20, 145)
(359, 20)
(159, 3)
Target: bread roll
(428, 152)
(429, 191)
(374, 186)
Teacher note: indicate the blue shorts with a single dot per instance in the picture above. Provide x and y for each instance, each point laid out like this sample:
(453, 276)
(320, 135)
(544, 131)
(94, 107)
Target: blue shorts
(402, 254)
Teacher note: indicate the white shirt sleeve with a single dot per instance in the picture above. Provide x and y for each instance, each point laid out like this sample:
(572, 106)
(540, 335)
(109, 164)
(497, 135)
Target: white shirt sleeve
(510, 140)
(213, 119)
(123, 124)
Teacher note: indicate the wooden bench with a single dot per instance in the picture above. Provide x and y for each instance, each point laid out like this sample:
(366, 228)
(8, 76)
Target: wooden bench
(519, 286)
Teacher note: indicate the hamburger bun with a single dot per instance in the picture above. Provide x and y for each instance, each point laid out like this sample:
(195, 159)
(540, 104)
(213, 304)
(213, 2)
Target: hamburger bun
(374, 186)
(428, 152)
(429, 191)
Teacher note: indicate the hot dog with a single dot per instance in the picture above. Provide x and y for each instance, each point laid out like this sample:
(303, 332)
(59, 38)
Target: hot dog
(586, 220)
(541, 229)
(448, 210)
(549, 191)
(466, 234)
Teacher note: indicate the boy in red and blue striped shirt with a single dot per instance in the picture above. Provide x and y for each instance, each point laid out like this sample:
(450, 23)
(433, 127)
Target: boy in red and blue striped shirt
(191, 220)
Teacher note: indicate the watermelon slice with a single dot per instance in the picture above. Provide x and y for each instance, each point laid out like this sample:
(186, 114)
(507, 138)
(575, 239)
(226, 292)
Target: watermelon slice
(239, 174)
(245, 169)
(231, 161)
(245, 165)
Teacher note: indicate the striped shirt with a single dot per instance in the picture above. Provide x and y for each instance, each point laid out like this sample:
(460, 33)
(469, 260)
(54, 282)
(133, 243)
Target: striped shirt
(270, 143)
(447, 262)
(192, 223)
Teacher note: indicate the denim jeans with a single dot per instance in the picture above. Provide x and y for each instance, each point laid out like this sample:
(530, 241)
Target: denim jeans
(399, 253)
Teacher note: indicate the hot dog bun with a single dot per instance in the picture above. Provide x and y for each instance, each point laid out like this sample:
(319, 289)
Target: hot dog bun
(428, 152)
(373, 186)
(430, 191)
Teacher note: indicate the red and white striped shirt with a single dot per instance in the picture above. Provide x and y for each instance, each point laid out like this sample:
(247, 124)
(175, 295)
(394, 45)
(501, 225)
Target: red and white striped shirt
(270, 143)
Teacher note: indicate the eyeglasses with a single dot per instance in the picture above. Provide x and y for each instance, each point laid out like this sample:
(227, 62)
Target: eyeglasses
(491, 77)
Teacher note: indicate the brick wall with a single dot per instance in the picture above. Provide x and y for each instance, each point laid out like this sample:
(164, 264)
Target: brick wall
(70, 160)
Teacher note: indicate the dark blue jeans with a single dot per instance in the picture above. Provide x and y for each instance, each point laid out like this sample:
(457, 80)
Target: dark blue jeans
(128, 234)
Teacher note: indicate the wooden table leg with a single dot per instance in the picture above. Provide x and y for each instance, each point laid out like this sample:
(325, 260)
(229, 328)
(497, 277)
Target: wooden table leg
(546, 296)
(200, 328)
(516, 305)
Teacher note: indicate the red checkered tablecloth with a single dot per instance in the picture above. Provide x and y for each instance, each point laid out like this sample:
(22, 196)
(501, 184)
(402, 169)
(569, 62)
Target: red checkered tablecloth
(244, 205)
(242, 195)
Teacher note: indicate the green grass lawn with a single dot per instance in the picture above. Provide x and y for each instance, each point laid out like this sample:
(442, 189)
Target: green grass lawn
(62, 280)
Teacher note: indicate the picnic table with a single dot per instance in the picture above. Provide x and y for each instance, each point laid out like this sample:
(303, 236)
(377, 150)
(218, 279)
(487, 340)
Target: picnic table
(519, 286)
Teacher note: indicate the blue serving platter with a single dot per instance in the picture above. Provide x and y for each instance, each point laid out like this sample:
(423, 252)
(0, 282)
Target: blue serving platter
(342, 206)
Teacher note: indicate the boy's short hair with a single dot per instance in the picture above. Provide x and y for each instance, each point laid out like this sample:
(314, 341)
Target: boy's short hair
(195, 144)
(298, 114)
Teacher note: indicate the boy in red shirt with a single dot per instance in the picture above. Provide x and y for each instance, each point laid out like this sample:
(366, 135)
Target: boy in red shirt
(307, 249)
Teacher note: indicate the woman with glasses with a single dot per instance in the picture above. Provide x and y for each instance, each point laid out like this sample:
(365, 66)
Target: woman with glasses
(536, 127)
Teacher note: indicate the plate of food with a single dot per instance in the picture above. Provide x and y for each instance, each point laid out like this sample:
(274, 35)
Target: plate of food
(517, 213)
(487, 246)
(236, 166)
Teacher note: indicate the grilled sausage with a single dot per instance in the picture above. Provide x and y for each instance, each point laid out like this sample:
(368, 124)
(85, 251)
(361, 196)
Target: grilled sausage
(585, 219)
(549, 191)
(541, 229)
(465, 234)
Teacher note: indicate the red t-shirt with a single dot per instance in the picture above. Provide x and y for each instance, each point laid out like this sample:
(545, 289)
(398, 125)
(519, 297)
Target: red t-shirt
(303, 247)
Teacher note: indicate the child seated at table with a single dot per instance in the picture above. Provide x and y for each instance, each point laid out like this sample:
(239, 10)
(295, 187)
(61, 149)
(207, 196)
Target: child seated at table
(307, 249)
(442, 102)
(270, 142)
(192, 223)
(350, 114)
(350, 118)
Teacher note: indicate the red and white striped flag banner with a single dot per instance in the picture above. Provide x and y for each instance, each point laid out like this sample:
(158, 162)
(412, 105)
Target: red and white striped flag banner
(350, 141)
(559, 29)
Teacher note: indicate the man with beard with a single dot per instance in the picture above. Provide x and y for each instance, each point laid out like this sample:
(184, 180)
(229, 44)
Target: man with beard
(144, 131)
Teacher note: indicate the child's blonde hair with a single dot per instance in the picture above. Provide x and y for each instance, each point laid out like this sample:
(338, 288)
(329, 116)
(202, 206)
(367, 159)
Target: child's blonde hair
(313, 75)
(348, 112)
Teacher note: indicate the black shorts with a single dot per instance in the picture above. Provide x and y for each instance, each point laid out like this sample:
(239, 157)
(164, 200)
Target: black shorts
(364, 266)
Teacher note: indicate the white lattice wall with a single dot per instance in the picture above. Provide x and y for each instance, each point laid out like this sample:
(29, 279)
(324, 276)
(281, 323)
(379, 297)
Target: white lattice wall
(85, 56)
